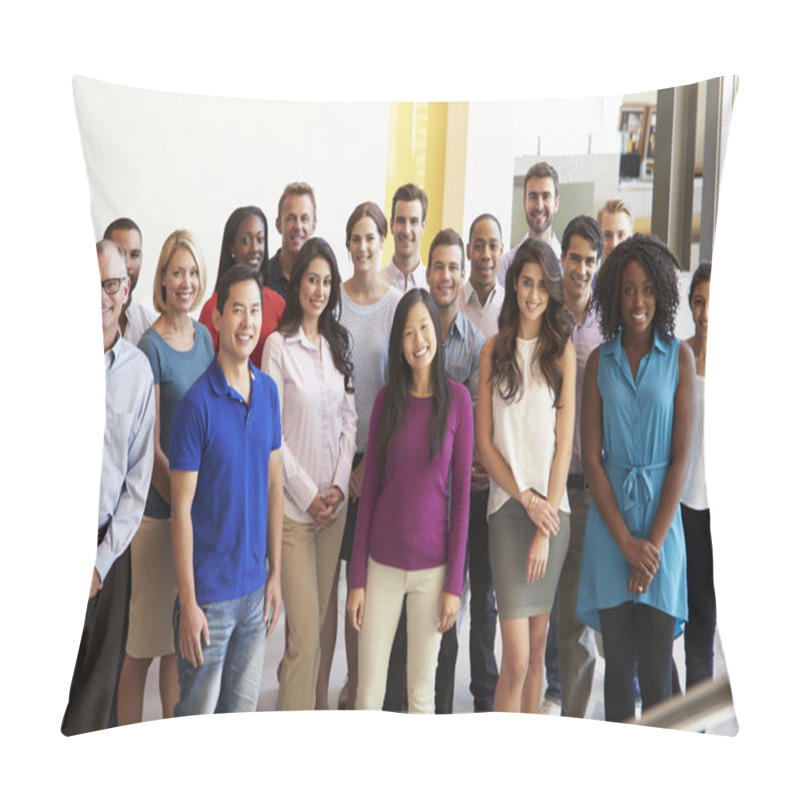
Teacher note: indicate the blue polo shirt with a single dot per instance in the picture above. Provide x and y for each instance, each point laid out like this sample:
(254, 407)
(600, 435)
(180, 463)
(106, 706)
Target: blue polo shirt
(228, 444)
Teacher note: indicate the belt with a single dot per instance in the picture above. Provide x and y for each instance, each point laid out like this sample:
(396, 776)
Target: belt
(637, 487)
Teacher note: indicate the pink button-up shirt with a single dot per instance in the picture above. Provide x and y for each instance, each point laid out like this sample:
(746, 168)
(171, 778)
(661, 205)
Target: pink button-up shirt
(318, 419)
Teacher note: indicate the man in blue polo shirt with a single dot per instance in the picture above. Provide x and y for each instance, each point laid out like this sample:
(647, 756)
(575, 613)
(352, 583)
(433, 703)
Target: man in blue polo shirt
(227, 513)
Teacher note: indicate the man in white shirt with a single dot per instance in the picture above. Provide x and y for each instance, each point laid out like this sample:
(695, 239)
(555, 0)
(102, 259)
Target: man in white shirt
(482, 295)
(124, 481)
(540, 201)
(135, 319)
(407, 224)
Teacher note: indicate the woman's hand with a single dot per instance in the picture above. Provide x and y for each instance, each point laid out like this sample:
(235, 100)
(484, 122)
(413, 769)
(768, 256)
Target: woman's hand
(356, 478)
(537, 558)
(638, 581)
(643, 556)
(323, 506)
(448, 611)
(540, 513)
(355, 608)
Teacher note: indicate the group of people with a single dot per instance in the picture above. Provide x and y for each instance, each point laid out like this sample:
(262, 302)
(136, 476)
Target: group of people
(530, 429)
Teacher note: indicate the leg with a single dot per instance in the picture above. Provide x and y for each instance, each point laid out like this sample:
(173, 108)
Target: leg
(553, 691)
(576, 651)
(94, 680)
(702, 623)
(396, 671)
(532, 688)
(130, 696)
(654, 631)
(514, 663)
(327, 643)
(617, 625)
(297, 673)
(482, 608)
(445, 680)
(168, 687)
(383, 601)
(422, 607)
(351, 654)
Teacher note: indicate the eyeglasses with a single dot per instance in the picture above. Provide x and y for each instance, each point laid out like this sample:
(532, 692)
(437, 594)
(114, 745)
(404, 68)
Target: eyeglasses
(112, 285)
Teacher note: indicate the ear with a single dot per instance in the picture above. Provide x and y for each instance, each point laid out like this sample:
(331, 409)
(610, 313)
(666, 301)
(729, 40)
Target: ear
(278, 224)
(216, 319)
(126, 290)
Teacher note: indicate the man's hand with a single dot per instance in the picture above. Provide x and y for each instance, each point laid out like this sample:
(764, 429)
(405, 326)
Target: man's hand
(97, 584)
(479, 479)
(356, 478)
(272, 602)
(192, 626)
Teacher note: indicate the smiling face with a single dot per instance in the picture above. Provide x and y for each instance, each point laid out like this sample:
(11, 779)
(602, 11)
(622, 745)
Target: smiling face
(580, 265)
(131, 242)
(419, 338)
(699, 305)
(365, 245)
(445, 275)
(250, 242)
(240, 321)
(297, 222)
(112, 266)
(637, 298)
(540, 204)
(532, 297)
(615, 228)
(407, 228)
(315, 289)
(484, 251)
(181, 281)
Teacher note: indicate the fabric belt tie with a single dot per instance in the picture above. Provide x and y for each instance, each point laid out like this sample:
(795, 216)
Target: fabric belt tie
(637, 488)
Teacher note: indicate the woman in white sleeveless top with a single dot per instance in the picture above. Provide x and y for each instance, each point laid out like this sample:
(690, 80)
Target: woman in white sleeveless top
(525, 418)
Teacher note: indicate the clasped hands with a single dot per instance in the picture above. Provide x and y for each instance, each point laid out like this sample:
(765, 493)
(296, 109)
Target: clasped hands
(323, 506)
(644, 558)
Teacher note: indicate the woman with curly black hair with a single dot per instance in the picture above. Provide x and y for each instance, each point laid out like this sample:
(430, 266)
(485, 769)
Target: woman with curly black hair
(525, 419)
(636, 433)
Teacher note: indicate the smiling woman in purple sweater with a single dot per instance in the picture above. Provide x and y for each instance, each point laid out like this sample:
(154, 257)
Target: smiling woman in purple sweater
(406, 544)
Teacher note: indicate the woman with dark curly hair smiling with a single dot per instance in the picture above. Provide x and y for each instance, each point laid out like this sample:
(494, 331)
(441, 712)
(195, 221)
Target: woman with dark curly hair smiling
(636, 432)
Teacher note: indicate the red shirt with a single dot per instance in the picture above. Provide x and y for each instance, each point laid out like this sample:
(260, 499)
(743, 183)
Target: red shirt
(271, 311)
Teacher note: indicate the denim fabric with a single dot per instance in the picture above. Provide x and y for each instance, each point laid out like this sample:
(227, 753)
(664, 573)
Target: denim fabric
(229, 678)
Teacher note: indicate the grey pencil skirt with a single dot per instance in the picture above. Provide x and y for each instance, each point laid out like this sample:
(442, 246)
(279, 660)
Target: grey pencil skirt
(510, 535)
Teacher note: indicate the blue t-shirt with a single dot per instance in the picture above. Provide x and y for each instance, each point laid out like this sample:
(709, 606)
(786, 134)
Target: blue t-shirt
(174, 371)
(228, 443)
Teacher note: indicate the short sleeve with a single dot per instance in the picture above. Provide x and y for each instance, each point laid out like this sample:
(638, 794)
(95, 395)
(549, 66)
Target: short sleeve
(188, 436)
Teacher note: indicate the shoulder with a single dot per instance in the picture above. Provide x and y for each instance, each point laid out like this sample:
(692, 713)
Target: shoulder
(685, 356)
(461, 396)
(208, 307)
(201, 333)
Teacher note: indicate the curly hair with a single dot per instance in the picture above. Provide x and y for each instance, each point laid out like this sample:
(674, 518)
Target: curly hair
(557, 324)
(661, 267)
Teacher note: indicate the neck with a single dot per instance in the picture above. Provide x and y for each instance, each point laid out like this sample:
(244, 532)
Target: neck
(529, 330)
(365, 282)
(421, 385)
(175, 320)
(286, 260)
(406, 265)
(109, 338)
(546, 235)
(578, 305)
(310, 326)
(447, 316)
(638, 341)
(236, 372)
(481, 293)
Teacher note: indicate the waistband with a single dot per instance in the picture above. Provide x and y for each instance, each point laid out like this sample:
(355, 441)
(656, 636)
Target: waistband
(637, 487)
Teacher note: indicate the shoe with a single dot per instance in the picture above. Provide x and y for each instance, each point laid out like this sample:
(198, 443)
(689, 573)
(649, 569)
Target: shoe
(550, 706)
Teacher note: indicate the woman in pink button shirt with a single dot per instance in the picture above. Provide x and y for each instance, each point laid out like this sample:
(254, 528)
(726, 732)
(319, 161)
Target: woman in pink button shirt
(309, 359)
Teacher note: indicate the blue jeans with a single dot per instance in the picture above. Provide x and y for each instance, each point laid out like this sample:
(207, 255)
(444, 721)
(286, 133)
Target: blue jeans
(229, 679)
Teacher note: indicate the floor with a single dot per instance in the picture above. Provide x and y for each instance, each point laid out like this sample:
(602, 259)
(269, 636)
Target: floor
(462, 701)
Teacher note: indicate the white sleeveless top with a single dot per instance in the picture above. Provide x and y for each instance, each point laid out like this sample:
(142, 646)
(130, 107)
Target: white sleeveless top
(694, 494)
(524, 431)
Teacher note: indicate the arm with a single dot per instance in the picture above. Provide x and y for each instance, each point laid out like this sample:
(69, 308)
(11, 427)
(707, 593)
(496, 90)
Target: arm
(640, 553)
(161, 479)
(347, 448)
(539, 510)
(193, 624)
(680, 450)
(272, 595)
(559, 469)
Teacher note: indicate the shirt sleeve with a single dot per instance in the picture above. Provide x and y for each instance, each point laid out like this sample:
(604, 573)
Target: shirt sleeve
(370, 489)
(188, 435)
(129, 510)
(347, 443)
(459, 498)
(474, 377)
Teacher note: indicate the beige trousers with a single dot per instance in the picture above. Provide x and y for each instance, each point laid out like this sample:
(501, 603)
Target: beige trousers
(308, 563)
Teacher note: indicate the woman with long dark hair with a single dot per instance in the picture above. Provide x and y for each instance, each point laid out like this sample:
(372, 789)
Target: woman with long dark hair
(525, 416)
(636, 434)
(309, 359)
(406, 544)
(244, 241)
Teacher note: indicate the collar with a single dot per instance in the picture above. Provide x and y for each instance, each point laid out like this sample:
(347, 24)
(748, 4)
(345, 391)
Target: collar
(274, 267)
(459, 327)
(471, 294)
(112, 354)
(299, 337)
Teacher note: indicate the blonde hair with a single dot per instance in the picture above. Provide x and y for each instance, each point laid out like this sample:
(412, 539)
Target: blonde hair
(177, 239)
(615, 206)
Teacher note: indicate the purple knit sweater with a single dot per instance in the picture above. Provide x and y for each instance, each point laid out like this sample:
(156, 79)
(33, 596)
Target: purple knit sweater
(402, 519)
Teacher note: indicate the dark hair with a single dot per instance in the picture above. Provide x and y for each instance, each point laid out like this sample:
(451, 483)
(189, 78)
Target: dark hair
(556, 328)
(367, 209)
(121, 224)
(480, 217)
(231, 226)
(661, 267)
(409, 192)
(541, 170)
(585, 227)
(394, 401)
(701, 275)
(446, 238)
(335, 333)
(236, 274)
